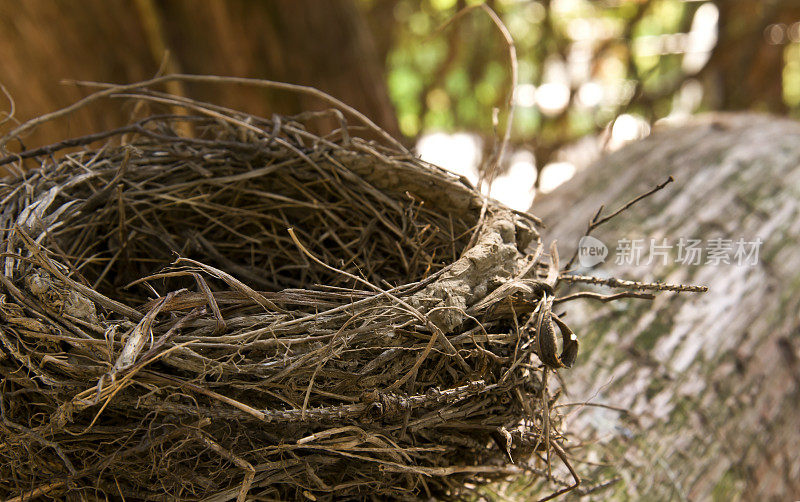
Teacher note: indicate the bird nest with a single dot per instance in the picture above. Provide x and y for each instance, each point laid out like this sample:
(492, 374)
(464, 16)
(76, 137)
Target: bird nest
(211, 305)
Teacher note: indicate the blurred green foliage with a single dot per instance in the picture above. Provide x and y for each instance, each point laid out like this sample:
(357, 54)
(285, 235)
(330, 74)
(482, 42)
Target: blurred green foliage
(601, 58)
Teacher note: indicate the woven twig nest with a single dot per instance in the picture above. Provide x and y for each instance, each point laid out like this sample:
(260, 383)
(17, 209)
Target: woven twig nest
(252, 309)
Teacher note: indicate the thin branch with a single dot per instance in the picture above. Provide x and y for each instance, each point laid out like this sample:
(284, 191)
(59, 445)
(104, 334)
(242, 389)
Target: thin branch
(494, 163)
(109, 89)
(604, 298)
(9, 115)
(613, 282)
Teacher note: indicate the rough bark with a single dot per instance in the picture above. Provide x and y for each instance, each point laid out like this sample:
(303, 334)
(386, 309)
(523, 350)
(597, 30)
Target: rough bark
(327, 46)
(712, 380)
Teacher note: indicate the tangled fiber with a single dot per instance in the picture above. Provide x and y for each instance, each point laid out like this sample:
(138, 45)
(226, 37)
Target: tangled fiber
(211, 305)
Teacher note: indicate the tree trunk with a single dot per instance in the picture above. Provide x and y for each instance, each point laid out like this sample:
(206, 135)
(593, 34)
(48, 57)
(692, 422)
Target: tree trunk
(712, 380)
(324, 45)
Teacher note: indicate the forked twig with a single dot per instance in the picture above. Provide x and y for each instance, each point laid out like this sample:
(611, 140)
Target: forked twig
(596, 221)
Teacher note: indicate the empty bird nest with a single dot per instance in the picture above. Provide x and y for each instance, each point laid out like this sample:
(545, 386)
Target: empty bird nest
(211, 305)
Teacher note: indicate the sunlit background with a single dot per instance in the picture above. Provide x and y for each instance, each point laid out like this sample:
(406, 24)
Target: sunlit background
(593, 75)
